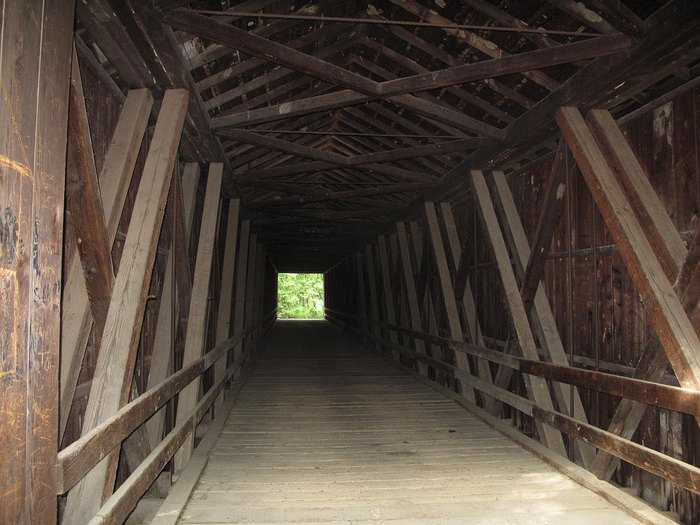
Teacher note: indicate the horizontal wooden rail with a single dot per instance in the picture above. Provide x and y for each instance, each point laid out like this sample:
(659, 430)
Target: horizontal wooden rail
(122, 502)
(76, 460)
(678, 472)
(664, 396)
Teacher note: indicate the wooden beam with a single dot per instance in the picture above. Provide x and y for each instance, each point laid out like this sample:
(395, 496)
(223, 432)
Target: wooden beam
(118, 507)
(468, 308)
(325, 195)
(240, 290)
(568, 400)
(389, 306)
(579, 11)
(672, 325)
(35, 50)
(552, 205)
(425, 150)
(100, 23)
(228, 272)
(85, 205)
(657, 225)
(80, 456)
(291, 109)
(164, 339)
(297, 168)
(114, 179)
(260, 47)
(521, 62)
(537, 388)
(441, 112)
(415, 67)
(446, 291)
(114, 368)
(197, 323)
(279, 75)
(159, 47)
(674, 470)
(365, 89)
(470, 38)
(619, 16)
(409, 277)
(250, 290)
(373, 296)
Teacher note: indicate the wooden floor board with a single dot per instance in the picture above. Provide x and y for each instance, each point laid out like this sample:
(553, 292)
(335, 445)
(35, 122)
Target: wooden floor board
(326, 432)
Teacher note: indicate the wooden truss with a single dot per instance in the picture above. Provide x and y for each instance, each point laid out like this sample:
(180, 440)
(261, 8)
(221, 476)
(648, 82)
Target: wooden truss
(465, 362)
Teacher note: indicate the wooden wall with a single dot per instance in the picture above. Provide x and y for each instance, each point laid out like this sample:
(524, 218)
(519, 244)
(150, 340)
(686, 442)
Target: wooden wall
(598, 312)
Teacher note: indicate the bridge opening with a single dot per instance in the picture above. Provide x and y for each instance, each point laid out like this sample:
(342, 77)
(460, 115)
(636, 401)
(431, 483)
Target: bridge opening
(300, 296)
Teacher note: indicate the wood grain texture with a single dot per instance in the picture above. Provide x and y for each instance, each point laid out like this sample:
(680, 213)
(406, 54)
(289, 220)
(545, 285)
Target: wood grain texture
(35, 51)
(674, 329)
(115, 178)
(325, 431)
(114, 370)
(197, 318)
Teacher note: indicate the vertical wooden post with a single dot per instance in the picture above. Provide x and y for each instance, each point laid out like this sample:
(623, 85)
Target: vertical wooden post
(388, 295)
(373, 298)
(361, 297)
(240, 292)
(250, 290)
(468, 306)
(197, 324)
(35, 53)
(228, 267)
(164, 339)
(447, 292)
(425, 299)
(412, 298)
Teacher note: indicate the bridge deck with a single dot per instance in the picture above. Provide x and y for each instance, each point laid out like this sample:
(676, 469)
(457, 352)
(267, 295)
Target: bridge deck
(324, 432)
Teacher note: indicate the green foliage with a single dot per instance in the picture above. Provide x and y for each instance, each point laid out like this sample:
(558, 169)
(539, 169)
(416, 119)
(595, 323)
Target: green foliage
(300, 296)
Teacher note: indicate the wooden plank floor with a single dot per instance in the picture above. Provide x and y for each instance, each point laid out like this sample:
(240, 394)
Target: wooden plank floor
(325, 432)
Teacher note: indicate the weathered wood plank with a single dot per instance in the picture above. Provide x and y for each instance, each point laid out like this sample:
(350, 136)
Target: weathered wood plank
(240, 290)
(427, 150)
(468, 308)
(260, 47)
(389, 306)
(228, 267)
(447, 291)
(114, 369)
(115, 178)
(81, 455)
(197, 323)
(410, 285)
(552, 205)
(122, 502)
(85, 205)
(250, 289)
(569, 401)
(673, 327)
(35, 50)
(657, 225)
(170, 308)
(538, 390)
(282, 452)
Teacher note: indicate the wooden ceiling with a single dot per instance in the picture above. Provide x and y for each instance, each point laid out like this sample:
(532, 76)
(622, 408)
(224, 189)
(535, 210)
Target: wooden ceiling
(336, 118)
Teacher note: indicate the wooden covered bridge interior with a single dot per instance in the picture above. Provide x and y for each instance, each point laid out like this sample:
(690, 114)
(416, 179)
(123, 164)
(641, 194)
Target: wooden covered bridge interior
(503, 197)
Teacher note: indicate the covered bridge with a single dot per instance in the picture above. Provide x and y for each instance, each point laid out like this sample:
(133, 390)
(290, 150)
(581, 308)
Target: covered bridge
(503, 197)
